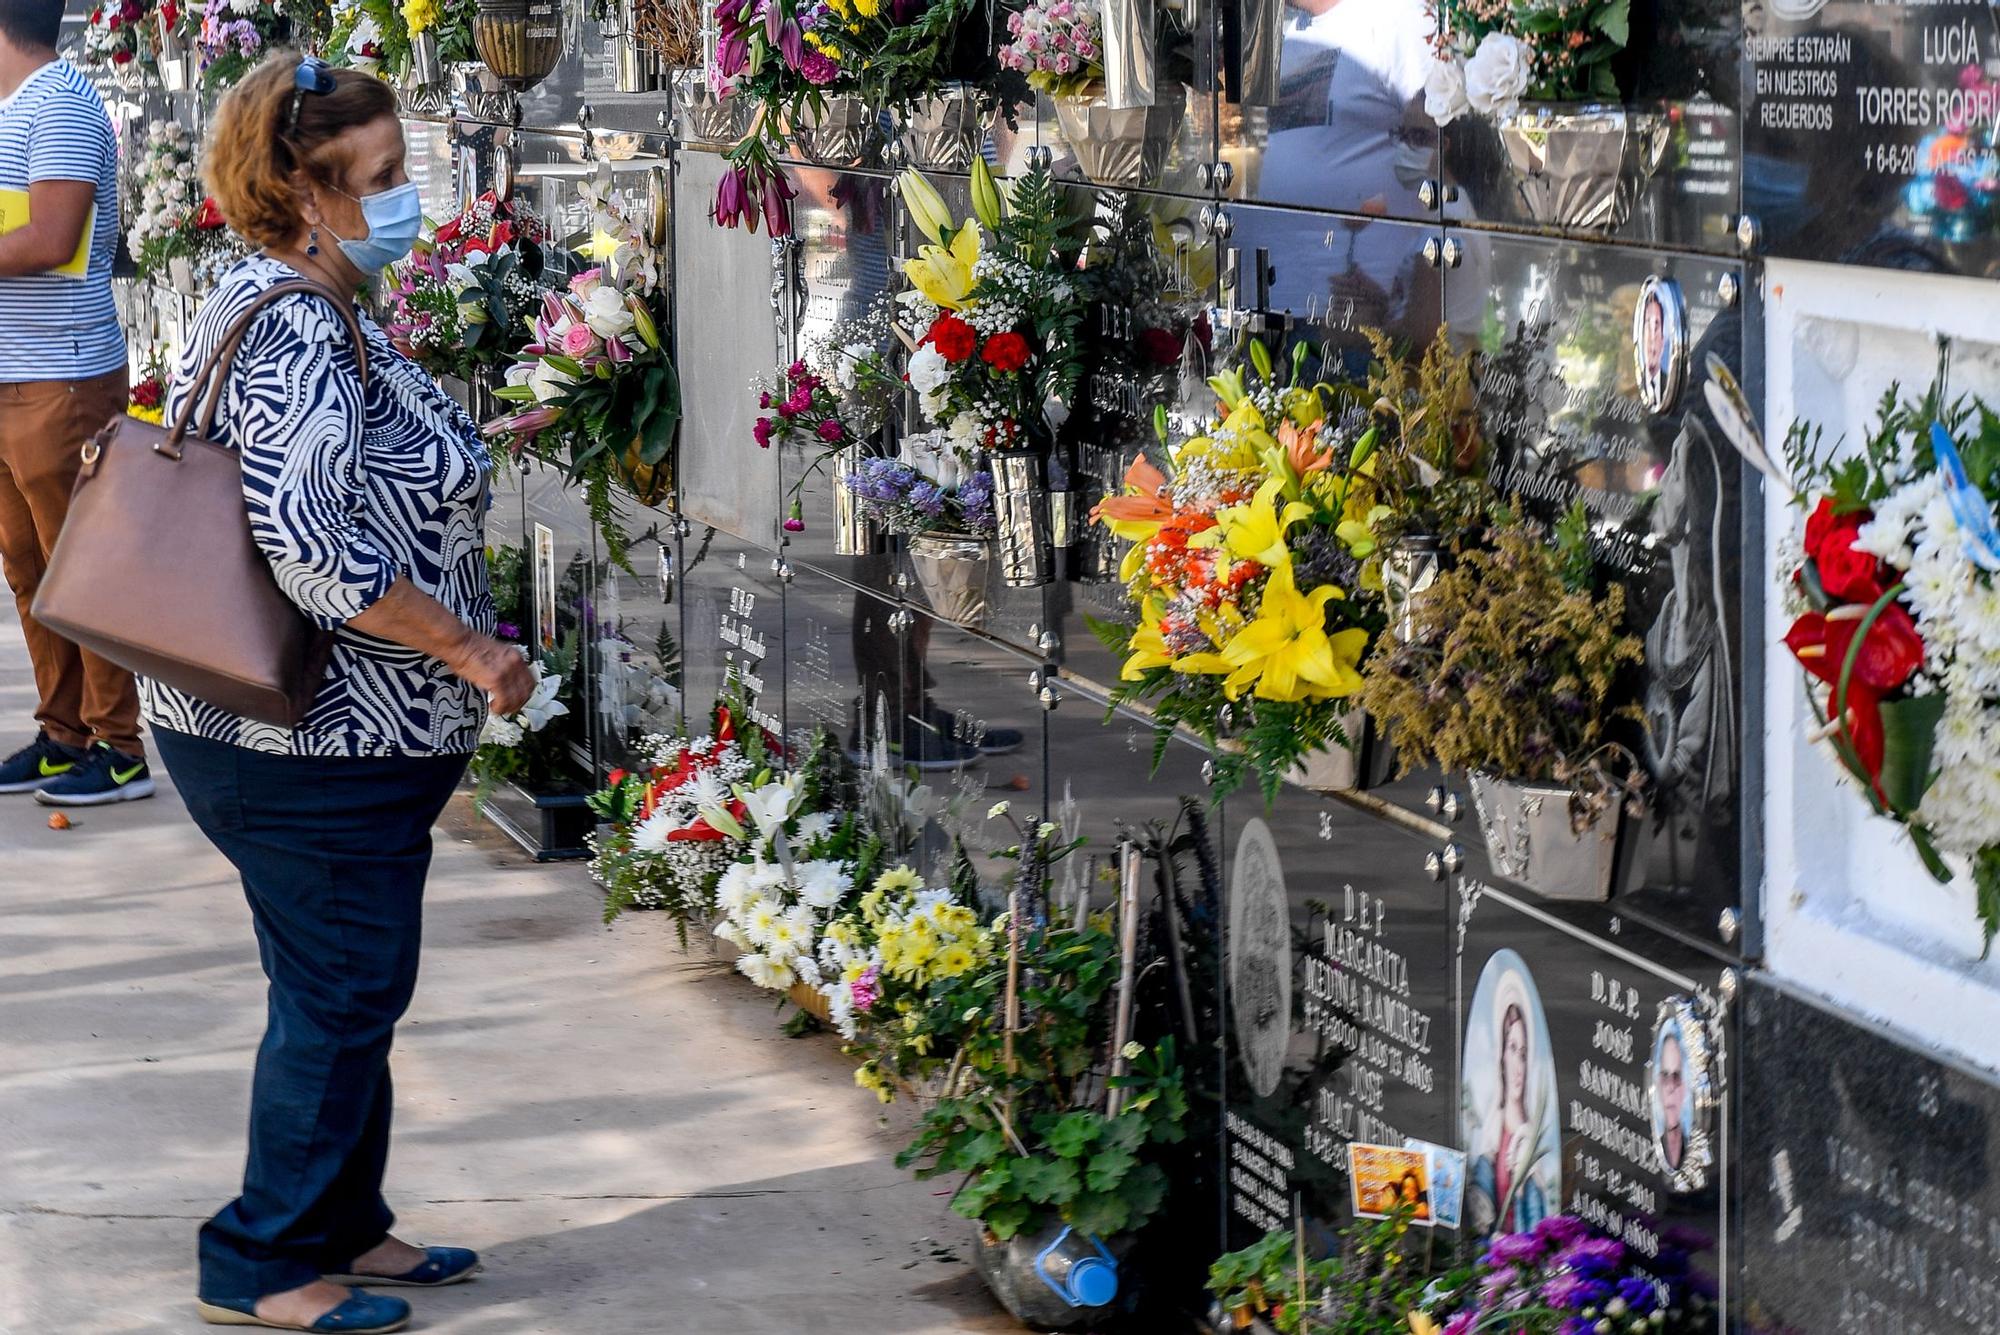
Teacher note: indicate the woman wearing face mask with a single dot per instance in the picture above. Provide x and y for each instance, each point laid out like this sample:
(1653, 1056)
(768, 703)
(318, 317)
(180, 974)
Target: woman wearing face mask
(368, 498)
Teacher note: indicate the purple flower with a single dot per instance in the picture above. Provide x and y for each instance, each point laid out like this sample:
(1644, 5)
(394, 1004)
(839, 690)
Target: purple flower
(1638, 1294)
(507, 630)
(761, 429)
(1508, 1248)
(732, 199)
(818, 69)
(792, 44)
(1460, 1324)
(1573, 1292)
(1592, 1256)
(1562, 1229)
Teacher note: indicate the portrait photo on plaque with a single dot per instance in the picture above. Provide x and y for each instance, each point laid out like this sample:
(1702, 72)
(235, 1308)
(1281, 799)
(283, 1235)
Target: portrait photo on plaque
(1660, 343)
(1680, 1095)
(1510, 1116)
(544, 577)
(1447, 1178)
(1260, 958)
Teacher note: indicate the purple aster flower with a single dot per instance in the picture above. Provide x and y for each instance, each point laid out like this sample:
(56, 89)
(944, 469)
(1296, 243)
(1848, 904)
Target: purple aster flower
(1562, 1229)
(1592, 1256)
(1573, 1292)
(1638, 1294)
(1508, 1248)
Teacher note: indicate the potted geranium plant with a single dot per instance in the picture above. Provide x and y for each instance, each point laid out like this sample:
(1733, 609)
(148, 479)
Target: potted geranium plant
(597, 389)
(1513, 669)
(1246, 574)
(1544, 77)
(1900, 557)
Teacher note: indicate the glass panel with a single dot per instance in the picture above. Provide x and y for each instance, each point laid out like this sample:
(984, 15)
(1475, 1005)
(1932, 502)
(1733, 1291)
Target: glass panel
(638, 648)
(562, 579)
(734, 623)
(1871, 134)
(1661, 170)
(1343, 128)
(1560, 402)
(844, 659)
(1329, 278)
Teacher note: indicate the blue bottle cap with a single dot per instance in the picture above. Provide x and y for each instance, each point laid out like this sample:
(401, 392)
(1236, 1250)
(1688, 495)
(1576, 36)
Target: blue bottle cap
(1094, 1281)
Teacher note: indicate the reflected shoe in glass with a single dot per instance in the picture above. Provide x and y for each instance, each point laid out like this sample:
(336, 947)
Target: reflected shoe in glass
(441, 1266)
(37, 764)
(106, 776)
(928, 751)
(361, 1314)
(993, 742)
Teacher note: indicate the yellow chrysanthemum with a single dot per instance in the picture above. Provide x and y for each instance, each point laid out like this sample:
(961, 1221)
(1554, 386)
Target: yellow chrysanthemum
(420, 15)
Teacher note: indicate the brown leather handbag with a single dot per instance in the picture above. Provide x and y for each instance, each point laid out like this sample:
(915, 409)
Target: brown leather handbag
(156, 570)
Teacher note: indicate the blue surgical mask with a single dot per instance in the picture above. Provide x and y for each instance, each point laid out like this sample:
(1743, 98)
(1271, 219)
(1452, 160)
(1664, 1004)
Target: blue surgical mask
(395, 219)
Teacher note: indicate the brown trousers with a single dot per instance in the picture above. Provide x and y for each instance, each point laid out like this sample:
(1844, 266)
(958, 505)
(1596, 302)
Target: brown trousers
(43, 424)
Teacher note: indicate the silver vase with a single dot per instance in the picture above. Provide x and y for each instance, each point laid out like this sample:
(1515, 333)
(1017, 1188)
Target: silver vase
(838, 136)
(1582, 166)
(945, 131)
(1531, 838)
(952, 571)
(636, 67)
(483, 94)
(853, 535)
(426, 66)
(703, 117)
(173, 45)
(1408, 570)
(1122, 146)
(1021, 511)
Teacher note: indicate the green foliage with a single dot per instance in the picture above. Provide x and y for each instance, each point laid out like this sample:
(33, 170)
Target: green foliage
(1381, 1273)
(1020, 1124)
(1896, 449)
(1510, 670)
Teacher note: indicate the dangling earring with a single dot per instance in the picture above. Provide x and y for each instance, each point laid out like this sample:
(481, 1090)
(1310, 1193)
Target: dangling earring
(312, 246)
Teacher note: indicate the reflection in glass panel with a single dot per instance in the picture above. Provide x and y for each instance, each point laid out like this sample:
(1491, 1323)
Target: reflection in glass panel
(638, 647)
(1560, 402)
(561, 584)
(733, 625)
(1344, 128)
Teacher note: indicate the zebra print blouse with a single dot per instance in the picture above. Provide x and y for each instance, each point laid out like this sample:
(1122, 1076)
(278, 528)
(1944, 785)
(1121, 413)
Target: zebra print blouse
(346, 491)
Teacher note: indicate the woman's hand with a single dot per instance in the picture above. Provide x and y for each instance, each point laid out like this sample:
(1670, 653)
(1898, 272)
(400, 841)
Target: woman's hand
(497, 669)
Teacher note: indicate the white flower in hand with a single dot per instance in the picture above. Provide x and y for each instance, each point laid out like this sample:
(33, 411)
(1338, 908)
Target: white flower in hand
(542, 708)
(501, 732)
(1444, 92)
(1497, 75)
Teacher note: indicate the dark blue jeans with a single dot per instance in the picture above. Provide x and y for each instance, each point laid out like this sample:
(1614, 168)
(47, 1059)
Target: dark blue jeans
(333, 853)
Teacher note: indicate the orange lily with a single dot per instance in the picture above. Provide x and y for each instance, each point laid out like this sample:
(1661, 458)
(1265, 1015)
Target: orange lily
(1302, 449)
(1138, 514)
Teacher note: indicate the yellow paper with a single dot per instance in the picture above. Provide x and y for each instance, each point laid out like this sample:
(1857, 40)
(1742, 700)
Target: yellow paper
(14, 216)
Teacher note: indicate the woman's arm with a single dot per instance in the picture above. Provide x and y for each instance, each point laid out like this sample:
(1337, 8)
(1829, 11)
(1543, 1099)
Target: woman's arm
(409, 616)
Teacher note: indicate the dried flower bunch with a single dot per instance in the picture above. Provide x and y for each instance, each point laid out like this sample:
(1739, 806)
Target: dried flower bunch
(1514, 665)
(1492, 55)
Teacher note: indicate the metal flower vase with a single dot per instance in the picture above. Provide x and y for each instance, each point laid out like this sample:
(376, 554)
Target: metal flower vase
(1021, 511)
(636, 67)
(1409, 568)
(519, 40)
(703, 117)
(426, 65)
(839, 136)
(1530, 838)
(952, 570)
(1582, 166)
(853, 534)
(1122, 146)
(945, 131)
(483, 94)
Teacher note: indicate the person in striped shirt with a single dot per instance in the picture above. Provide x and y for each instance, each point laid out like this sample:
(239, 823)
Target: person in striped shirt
(62, 377)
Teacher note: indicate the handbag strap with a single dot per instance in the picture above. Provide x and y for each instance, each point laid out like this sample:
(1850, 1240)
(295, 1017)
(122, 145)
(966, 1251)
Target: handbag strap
(209, 380)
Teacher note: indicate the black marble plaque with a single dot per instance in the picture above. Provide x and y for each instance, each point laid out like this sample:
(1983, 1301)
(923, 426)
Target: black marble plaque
(1338, 975)
(1870, 133)
(1559, 398)
(1872, 1202)
(733, 626)
(1555, 1106)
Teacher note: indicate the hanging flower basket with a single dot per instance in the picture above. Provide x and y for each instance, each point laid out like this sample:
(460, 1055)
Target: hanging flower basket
(952, 570)
(1121, 146)
(945, 131)
(1582, 166)
(1532, 838)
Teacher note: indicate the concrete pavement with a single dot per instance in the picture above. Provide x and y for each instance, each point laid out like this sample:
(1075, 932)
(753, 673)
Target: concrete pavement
(617, 1125)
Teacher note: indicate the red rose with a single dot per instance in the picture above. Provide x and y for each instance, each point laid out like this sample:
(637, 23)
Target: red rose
(1825, 526)
(1160, 346)
(209, 216)
(1950, 192)
(121, 57)
(954, 339)
(1006, 352)
(1844, 572)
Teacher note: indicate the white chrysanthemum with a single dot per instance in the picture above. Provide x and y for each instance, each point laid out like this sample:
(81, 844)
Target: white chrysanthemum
(767, 876)
(814, 826)
(733, 934)
(806, 970)
(1962, 809)
(762, 921)
(823, 883)
(705, 789)
(736, 892)
(765, 971)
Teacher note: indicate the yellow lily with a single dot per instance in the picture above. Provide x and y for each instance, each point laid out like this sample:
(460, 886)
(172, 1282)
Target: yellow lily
(1256, 531)
(945, 276)
(1149, 646)
(1286, 652)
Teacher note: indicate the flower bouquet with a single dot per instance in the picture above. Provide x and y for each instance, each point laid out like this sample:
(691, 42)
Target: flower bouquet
(1543, 75)
(115, 39)
(175, 220)
(802, 409)
(521, 748)
(459, 305)
(1955, 192)
(1247, 573)
(1897, 594)
(599, 396)
(440, 37)
(148, 398)
(1059, 45)
(371, 36)
(233, 35)
(1513, 668)
(676, 825)
(1561, 1279)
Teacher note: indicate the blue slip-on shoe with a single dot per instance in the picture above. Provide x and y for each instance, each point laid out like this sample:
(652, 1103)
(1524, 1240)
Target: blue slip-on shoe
(106, 776)
(441, 1266)
(362, 1314)
(38, 764)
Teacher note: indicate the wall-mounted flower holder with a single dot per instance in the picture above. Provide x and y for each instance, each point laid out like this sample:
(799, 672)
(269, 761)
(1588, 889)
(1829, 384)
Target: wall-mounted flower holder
(1531, 838)
(426, 64)
(853, 534)
(839, 136)
(637, 67)
(484, 95)
(1131, 53)
(1021, 512)
(1582, 166)
(1120, 146)
(520, 41)
(945, 131)
(702, 117)
(1409, 569)
(952, 570)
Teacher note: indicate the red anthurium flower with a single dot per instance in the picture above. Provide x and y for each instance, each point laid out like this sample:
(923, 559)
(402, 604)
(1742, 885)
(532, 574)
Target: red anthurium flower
(701, 832)
(209, 216)
(1889, 655)
(725, 726)
(614, 778)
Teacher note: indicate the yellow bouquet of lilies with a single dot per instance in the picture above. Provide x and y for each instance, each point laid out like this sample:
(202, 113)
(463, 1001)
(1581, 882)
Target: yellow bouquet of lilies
(1250, 570)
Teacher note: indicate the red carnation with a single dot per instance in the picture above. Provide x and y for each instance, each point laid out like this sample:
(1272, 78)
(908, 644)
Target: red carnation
(1006, 352)
(121, 57)
(954, 339)
(1159, 346)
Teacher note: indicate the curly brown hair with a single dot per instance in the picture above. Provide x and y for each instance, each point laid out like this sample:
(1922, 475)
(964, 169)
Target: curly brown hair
(254, 154)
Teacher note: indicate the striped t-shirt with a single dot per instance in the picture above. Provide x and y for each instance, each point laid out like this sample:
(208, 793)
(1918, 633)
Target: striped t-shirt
(55, 128)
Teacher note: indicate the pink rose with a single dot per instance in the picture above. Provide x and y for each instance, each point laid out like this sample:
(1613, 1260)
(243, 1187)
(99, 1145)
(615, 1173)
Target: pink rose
(578, 341)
